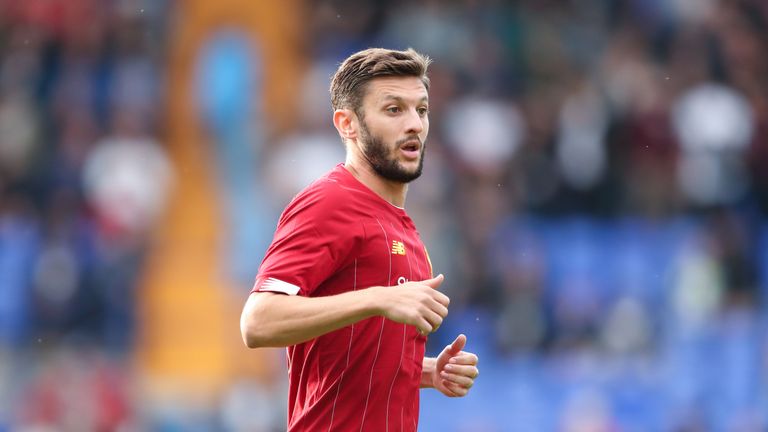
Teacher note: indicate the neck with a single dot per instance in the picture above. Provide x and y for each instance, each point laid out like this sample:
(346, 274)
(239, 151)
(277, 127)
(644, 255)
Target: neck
(391, 191)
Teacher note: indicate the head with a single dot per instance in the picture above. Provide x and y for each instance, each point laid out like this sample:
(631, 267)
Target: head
(380, 102)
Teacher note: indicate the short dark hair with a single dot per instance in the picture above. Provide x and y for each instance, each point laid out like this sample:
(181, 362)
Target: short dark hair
(349, 82)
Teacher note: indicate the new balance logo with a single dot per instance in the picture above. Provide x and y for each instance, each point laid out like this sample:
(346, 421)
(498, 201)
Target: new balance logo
(398, 248)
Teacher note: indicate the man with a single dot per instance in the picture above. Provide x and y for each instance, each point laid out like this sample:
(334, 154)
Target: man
(347, 284)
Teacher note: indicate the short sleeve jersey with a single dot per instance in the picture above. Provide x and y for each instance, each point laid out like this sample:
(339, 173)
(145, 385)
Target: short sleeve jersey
(337, 236)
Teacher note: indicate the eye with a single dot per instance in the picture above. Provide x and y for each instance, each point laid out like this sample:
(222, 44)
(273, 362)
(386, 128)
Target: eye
(393, 109)
(422, 111)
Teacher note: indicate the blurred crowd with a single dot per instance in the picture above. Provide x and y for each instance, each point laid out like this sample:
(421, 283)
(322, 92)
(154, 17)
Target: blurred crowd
(82, 176)
(596, 192)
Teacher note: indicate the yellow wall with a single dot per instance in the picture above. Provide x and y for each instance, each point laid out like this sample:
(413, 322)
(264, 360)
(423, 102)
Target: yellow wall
(189, 315)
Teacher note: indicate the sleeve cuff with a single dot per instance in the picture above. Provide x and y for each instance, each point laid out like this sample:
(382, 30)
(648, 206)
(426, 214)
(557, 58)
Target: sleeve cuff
(275, 285)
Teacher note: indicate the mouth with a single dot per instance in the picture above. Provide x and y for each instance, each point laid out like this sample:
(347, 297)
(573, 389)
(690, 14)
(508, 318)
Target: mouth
(411, 149)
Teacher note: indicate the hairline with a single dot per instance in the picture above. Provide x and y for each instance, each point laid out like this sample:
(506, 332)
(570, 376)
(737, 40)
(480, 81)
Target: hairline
(361, 87)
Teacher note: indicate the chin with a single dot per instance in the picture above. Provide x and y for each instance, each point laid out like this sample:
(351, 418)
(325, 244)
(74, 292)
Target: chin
(412, 174)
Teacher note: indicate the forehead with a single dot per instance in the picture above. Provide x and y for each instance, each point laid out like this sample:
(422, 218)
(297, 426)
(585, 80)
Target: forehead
(408, 88)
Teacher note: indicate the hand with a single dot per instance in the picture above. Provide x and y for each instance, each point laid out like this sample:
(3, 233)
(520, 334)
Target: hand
(419, 304)
(455, 370)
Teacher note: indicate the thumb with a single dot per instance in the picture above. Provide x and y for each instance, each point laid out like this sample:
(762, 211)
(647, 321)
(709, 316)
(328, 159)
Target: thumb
(457, 345)
(435, 281)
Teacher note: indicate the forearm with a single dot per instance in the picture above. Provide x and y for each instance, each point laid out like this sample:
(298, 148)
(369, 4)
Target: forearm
(427, 372)
(277, 320)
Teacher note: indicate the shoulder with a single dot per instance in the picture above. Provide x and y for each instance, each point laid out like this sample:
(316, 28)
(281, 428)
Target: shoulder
(322, 196)
(328, 199)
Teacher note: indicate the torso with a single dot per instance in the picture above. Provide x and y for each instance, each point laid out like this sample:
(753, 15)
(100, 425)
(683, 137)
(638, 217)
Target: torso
(365, 376)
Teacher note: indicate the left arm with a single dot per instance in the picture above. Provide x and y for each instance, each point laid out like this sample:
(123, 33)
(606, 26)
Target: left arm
(453, 372)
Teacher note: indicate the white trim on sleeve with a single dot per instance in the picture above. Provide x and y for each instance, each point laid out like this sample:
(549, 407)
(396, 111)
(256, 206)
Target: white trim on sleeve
(276, 285)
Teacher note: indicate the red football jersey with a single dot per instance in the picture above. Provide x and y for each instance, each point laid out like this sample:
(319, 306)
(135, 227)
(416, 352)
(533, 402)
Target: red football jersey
(337, 236)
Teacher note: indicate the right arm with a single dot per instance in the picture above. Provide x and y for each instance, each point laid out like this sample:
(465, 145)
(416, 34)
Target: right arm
(279, 320)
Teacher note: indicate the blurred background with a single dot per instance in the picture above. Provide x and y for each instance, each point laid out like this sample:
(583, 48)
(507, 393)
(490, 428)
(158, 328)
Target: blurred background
(596, 192)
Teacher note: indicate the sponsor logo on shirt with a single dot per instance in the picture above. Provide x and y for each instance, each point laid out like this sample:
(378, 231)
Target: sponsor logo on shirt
(398, 248)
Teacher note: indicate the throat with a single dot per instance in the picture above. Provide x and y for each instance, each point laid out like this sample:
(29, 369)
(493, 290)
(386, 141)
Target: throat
(391, 191)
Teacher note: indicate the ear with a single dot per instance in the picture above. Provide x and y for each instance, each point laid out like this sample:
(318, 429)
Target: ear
(346, 123)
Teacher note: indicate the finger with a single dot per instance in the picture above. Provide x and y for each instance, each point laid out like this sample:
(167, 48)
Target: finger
(455, 389)
(424, 327)
(439, 309)
(464, 358)
(460, 380)
(441, 298)
(468, 371)
(434, 320)
(435, 281)
(457, 345)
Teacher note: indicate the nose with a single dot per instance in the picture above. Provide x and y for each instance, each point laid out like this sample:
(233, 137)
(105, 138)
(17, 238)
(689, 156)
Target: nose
(414, 123)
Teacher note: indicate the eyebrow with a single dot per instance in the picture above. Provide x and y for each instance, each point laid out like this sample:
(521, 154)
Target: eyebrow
(400, 99)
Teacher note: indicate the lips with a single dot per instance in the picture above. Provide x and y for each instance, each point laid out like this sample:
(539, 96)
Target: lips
(411, 149)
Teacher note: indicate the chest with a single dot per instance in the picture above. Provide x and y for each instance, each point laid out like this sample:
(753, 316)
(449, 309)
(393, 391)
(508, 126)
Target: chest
(391, 253)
